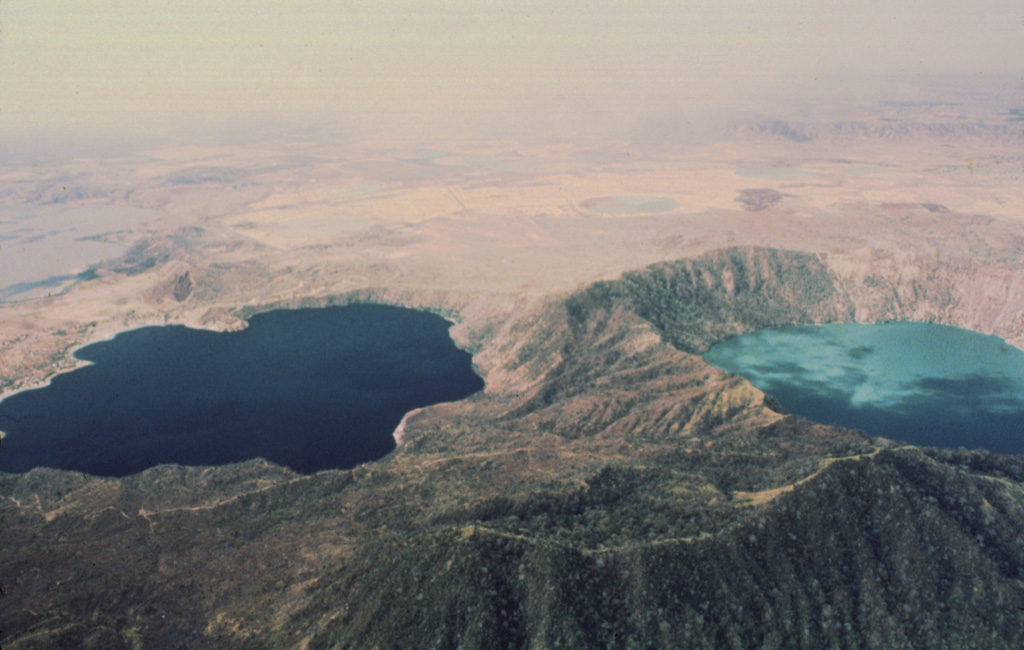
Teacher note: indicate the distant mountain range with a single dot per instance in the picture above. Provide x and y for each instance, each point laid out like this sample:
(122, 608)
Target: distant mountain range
(1008, 130)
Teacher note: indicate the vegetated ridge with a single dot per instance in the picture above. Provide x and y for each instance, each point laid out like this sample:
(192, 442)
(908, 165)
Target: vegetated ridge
(607, 489)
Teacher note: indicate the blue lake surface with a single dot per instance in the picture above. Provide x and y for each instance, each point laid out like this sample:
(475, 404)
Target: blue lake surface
(920, 383)
(310, 389)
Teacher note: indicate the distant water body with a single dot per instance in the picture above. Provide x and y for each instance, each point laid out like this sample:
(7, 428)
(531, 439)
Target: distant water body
(310, 389)
(776, 174)
(625, 206)
(47, 248)
(925, 384)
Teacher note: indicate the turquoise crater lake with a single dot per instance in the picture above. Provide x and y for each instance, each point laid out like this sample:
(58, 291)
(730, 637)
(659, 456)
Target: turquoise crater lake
(920, 383)
(310, 389)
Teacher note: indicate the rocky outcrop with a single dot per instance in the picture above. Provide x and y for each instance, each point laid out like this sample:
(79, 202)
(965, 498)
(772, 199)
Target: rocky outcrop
(758, 200)
(177, 283)
(182, 287)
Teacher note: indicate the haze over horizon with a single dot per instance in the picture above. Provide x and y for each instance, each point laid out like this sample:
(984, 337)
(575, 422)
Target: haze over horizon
(427, 70)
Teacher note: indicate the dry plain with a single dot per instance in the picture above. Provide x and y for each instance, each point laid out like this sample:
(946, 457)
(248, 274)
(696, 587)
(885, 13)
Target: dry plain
(483, 231)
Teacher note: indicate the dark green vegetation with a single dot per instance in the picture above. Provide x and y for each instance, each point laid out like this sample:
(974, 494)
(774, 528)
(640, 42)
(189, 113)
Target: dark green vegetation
(608, 491)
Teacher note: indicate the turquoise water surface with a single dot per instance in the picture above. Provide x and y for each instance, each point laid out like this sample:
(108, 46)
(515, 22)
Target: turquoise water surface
(921, 383)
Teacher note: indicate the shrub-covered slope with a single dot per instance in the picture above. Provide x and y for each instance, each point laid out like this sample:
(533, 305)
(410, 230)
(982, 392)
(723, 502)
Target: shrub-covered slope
(897, 550)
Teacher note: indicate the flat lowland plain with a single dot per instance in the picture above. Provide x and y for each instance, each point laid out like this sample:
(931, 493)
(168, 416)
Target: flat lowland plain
(487, 226)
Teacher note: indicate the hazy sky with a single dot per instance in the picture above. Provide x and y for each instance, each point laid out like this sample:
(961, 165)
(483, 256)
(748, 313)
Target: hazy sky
(424, 66)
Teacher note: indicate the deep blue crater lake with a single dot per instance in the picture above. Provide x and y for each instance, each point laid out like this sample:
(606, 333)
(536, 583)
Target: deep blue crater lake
(310, 389)
(925, 384)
